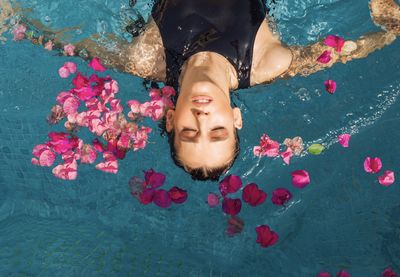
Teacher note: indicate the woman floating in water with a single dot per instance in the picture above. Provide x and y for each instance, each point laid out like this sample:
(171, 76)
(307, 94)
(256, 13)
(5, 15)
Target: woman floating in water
(206, 49)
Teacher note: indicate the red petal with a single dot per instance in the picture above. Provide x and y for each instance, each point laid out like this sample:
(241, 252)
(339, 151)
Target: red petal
(177, 195)
(162, 198)
(230, 184)
(231, 206)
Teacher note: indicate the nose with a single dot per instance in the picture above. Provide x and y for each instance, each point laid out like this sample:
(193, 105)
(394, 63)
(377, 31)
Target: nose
(198, 112)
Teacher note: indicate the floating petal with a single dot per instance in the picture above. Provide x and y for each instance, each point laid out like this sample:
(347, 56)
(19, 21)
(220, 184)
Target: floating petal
(281, 196)
(372, 165)
(266, 237)
(96, 65)
(330, 86)
(387, 178)
(300, 178)
(344, 139)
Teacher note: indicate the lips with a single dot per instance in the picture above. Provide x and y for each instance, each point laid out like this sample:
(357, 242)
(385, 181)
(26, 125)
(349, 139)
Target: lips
(202, 100)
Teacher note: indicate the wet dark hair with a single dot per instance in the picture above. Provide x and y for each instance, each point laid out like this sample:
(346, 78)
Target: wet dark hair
(204, 173)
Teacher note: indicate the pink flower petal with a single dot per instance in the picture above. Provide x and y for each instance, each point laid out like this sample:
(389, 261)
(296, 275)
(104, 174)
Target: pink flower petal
(177, 195)
(252, 195)
(266, 237)
(267, 147)
(96, 65)
(66, 171)
(231, 206)
(47, 158)
(235, 226)
(49, 45)
(154, 179)
(325, 57)
(19, 32)
(110, 165)
(388, 272)
(69, 50)
(387, 178)
(71, 105)
(88, 154)
(63, 72)
(162, 198)
(281, 196)
(343, 273)
(286, 155)
(330, 86)
(372, 165)
(70, 66)
(344, 139)
(335, 42)
(230, 184)
(38, 149)
(212, 200)
(300, 178)
(324, 274)
(146, 196)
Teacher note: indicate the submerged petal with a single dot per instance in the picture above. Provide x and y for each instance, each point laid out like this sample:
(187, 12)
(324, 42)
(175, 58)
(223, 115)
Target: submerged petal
(212, 200)
(281, 196)
(230, 184)
(266, 237)
(300, 178)
(330, 86)
(231, 206)
(96, 65)
(162, 198)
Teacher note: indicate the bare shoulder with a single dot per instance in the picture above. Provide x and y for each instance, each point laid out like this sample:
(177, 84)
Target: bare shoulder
(145, 56)
(270, 57)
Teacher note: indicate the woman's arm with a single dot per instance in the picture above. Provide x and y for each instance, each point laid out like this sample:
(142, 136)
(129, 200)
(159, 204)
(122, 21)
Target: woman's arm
(385, 13)
(144, 57)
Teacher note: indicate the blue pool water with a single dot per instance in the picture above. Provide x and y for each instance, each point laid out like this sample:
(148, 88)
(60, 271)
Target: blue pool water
(92, 226)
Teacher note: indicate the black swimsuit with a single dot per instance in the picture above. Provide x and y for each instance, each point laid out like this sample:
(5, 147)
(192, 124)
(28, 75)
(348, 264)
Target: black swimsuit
(226, 27)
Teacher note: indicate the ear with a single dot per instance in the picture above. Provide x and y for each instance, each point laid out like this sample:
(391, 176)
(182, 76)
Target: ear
(169, 123)
(237, 118)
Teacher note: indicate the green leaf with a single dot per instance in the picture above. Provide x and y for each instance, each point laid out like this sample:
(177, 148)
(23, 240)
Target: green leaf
(315, 149)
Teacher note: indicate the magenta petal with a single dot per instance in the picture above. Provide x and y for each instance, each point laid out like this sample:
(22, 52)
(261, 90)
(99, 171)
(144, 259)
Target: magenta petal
(177, 195)
(324, 274)
(335, 42)
(387, 178)
(231, 206)
(154, 179)
(252, 195)
(300, 178)
(343, 273)
(372, 165)
(330, 86)
(344, 139)
(388, 272)
(146, 196)
(212, 200)
(96, 65)
(71, 105)
(230, 184)
(325, 57)
(162, 198)
(286, 155)
(266, 237)
(280, 196)
(71, 67)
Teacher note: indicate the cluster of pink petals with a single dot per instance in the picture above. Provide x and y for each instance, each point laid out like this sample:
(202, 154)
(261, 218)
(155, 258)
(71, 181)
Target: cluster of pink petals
(330, 86)
(69, 50)
(156, 108)
(19, 31)
(92, 104)
(388, 272)
(335, 42)
(265, 236)
(67, 69)
(281, 196)
(148, 191)
(344, 139)
(252, 195)
(270, 148)
(300, 178)
(325, 57)
(267, 147)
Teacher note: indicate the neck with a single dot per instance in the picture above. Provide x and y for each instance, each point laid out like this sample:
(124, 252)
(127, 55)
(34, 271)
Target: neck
(208, 67)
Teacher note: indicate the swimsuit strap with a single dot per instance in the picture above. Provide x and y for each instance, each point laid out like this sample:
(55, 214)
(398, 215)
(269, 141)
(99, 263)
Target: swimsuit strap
(227, 27)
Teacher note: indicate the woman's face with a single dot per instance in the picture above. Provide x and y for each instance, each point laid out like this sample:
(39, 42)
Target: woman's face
(204, 124)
